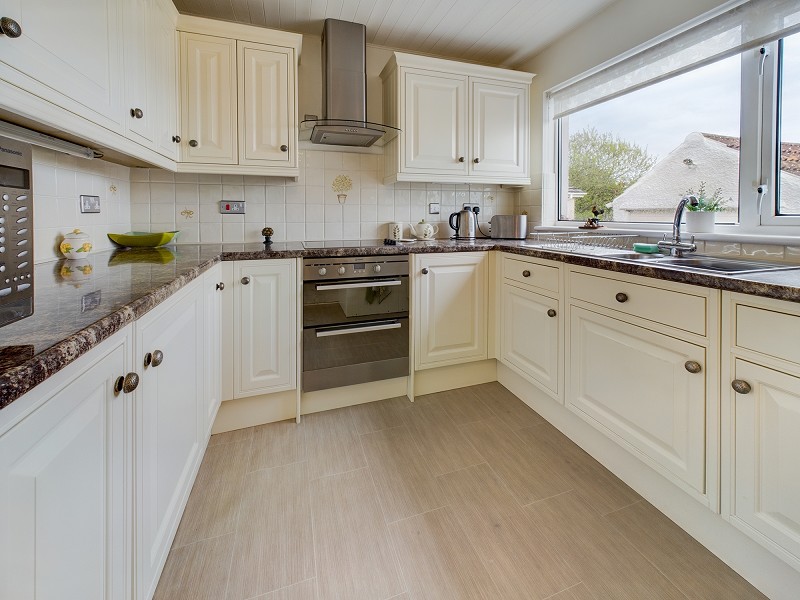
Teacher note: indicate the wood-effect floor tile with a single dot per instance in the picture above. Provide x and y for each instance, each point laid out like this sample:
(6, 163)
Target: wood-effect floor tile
(437, 560)
(198, 571)
(692, 568)
(440, 440)
(277, 444)
(405, 485)
(501, 532)
(305, 590)
(578, 592)
(332, 443)
(530, 476)
(597, 485)
(237, 435)
(462, 405)
(354, 556)
(274, 539)
(383, 414)
(213, 505)
(607, 563)
(506, 406)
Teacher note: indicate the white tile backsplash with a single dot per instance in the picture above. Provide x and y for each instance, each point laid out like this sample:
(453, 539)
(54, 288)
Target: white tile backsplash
(306, 209)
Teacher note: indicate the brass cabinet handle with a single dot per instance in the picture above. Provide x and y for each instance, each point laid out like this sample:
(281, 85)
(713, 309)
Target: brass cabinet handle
(220, 286)
(551, 313)
(118, 382)
(425, 271)
(10, 27)
(148, 358)
(245, 280)
(460, 159)
(621, 297)
(284, 148)
(176, 139)
(476, 161)
(137, 113)
(126, 384)
(740, 386)
(158, 357)
(526, 273)
(692, 366)
(193, 143)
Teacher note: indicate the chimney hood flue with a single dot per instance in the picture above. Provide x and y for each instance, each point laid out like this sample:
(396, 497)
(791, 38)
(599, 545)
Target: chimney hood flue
(344, 89)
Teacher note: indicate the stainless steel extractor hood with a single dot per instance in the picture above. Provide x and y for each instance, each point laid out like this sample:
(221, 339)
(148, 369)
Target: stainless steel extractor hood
(344, 89)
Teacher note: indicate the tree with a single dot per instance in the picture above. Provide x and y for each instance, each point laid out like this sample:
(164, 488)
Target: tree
(603, 166)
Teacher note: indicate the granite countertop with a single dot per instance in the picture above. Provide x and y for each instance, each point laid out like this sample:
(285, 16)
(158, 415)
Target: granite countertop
(77, 309)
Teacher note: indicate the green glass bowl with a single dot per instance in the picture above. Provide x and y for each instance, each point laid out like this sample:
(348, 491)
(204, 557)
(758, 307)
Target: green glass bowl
(142, 239)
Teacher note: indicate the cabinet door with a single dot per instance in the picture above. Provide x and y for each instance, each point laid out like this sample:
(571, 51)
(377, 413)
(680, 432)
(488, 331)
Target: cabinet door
(530, 335)
(69, 53)
(140, 62)
(64, 482)
(265, 336)
(766, 473)
(208, 99)
(168, 422)
(164, 84)
(499, 128)
(212, 345)
(266, 105)
(632, 383)
(450, 308)
(435, 123)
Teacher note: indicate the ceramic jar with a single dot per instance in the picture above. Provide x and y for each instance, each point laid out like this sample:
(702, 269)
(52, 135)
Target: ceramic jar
(76, 245)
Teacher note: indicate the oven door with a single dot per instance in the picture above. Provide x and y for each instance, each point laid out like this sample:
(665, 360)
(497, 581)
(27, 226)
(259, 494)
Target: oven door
(354, 300)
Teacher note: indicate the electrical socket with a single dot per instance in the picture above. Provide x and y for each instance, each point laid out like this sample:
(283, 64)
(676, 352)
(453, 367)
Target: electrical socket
(233, 207)
(90, 204)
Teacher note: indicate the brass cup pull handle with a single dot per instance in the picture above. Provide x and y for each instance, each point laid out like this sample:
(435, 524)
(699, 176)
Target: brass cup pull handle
(193, 143)
(551, 313)
(526, 273)
(284, 148)
(220, 286)
(476, 161)
(621, 297)
(740, 386)
(460, 159)
(137, 113)
(425, 271)
(176, 139)
(118, 383)
(692, 366)
(126, 384)
(158, 357)
(245, 280)
(10, 27)
(148, 358)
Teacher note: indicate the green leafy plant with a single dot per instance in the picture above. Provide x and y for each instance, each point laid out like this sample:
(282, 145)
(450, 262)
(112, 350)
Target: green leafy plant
(705, 203)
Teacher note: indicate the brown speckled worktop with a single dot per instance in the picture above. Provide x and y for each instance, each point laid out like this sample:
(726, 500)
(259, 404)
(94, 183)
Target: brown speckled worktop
(75, 313)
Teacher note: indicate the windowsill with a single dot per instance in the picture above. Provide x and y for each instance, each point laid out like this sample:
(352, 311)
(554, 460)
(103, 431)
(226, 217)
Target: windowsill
(743, 238)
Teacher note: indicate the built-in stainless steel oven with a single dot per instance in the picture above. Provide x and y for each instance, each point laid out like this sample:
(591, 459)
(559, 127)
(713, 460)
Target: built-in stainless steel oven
(355, 320)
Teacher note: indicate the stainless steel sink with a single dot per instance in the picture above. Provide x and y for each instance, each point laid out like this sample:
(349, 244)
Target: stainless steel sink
(712, 264)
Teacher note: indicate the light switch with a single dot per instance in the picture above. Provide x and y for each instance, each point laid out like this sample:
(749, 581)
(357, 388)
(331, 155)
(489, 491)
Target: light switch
(433, 208)
(232, 207)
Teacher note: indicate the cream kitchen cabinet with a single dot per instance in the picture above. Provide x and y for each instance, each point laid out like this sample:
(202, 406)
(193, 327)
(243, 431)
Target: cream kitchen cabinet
(264, 326)
(213, 288)
(761, 422)
(650, 385)
(66, 483)
(238, 98)
(459, 123)
(450, 308)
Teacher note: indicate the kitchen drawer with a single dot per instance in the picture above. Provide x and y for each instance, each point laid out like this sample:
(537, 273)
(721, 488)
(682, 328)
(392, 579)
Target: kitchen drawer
(757, 329)
(669, 307)
(530, 273)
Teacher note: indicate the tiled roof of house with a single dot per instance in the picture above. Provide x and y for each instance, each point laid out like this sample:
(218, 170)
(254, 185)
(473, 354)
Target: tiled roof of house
(790, 151)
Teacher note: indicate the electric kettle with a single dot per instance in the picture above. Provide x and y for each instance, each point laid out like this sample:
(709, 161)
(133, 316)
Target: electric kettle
(464, 223)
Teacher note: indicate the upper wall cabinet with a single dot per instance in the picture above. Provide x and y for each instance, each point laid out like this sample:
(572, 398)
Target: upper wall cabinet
(238, 98)
(459, 122)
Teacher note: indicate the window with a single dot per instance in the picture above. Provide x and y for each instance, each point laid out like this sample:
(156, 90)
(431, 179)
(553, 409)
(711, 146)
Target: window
(711, 108)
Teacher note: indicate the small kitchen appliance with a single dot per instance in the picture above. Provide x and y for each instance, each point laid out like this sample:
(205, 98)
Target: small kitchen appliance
(509, 227)
(464, 223)
(16, 231)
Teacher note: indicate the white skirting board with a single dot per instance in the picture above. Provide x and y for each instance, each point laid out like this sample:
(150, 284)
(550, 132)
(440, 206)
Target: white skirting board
(755, 563)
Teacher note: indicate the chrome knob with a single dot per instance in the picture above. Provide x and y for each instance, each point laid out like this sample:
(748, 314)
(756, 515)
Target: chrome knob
(551, 313)
(621, 297)
(137, 113)
(425, 271)
(176, 139)
(526, 273)
(10, 27)
(245, 280)
(284, 148)
(126, 384)
(692, 366)
(377, 268)
(158, 357)
(341, 270)
(220, 286)
(193, 143)
(460, 159)
(740, 386)
(322, 271)
(476, 161)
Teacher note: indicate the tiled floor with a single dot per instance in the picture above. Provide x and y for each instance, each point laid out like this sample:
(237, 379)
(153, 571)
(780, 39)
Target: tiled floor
(463, 494)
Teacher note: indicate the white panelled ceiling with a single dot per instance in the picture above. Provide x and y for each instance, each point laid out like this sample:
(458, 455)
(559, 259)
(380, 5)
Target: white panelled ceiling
(500, 32)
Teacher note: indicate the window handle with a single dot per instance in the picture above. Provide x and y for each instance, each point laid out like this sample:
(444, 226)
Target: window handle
(764, 52)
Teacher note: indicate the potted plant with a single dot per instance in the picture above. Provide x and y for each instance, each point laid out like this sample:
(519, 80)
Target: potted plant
(700, 218)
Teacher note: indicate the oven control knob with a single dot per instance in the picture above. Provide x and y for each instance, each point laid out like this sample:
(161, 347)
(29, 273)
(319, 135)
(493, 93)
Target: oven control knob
(377, 268)
(322, 271)
(342, 270)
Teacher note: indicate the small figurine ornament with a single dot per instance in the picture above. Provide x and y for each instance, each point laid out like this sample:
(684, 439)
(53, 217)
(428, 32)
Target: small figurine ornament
(593, 222)
(267, 232)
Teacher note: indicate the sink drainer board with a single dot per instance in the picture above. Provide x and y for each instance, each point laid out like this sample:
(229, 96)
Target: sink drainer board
(587, 243)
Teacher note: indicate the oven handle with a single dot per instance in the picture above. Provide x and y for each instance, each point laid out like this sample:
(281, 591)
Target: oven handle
(358, 329)
(360, 284)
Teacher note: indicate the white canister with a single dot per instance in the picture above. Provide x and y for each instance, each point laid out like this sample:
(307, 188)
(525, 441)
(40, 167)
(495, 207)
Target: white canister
(395, 231)
(76, 245)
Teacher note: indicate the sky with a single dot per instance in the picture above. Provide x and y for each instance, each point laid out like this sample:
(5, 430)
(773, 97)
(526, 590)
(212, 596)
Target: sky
(707, 100)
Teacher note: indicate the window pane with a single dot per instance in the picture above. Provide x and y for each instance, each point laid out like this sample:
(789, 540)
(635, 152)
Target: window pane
(636, 155)
(789, 127)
